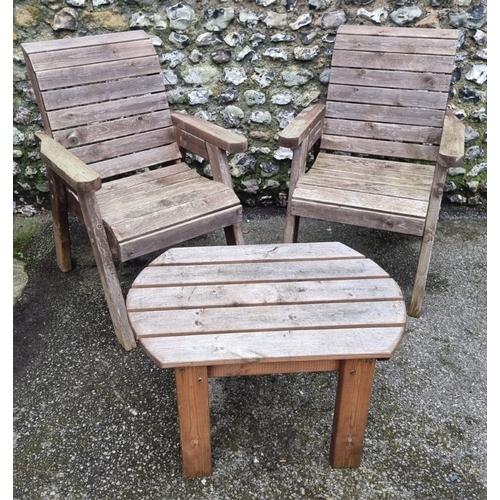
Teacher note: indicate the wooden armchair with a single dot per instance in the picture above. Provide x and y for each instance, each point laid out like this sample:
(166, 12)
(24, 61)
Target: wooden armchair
(107, 124)
(383, 140)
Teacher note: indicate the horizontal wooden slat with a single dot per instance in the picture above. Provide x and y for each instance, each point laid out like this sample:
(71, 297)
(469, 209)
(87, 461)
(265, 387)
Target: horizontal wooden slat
(264, 272)
(134, 182)
(268, 318)
(267, 346)
(390, 79)
(379, 148)
(374, 185)
(385, 114)
(257, 253)
(383, 131)
(179, 233)
(403, 45)
(212, 199)
(112, 129)
(99, 92)
(262, 294)
(384, 60)
(325, 195)
(403, 224)
(203, 196)
(65, 43)
(137, 161)
(85, 56)
(330, 167)
(388, 97)
(372, 166)
(105, 150)
(129, 196)
(354, 29)
(242, 369)
(104, 111)
(83, 75)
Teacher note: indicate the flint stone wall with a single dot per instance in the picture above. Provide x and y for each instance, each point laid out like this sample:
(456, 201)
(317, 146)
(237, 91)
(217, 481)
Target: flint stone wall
(252, 66)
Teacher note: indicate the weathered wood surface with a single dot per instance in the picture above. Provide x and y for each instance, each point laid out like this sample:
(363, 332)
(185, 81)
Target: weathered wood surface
(105, 114)
(265, 303)
(194, 420)
(352, 402)
(386, 99)
(262, 309)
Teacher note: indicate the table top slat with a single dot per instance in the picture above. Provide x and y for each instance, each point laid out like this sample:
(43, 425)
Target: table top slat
(144, 299)
(264, 304)
(252, 272)
(256, 253)
(267, 318)
(265, 346)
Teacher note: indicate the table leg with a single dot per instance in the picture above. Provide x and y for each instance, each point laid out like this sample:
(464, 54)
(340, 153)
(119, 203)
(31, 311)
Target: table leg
(194, 420)
(351, 411)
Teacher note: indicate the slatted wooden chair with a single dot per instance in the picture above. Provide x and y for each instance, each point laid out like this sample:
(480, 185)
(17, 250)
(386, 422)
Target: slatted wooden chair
(107, 124)
(383, 140)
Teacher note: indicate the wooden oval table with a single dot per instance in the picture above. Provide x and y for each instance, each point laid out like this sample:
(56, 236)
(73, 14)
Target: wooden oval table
(263, 309)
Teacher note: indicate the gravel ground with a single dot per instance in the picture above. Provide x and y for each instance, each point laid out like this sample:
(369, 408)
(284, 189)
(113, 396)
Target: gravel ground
(92, 421)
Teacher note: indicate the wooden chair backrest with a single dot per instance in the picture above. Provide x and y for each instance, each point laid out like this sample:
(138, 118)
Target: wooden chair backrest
(388, 91)
(103, 98)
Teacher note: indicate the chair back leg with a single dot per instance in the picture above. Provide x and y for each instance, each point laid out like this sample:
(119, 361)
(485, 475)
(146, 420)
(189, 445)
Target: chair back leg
(60, 225)
(234, 235)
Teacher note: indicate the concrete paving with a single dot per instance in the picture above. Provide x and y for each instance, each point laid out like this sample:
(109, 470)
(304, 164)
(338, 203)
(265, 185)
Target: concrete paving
(92, 421)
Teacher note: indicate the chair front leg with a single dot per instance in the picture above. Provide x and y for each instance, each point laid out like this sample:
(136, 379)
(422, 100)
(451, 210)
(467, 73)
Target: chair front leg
(107, 270)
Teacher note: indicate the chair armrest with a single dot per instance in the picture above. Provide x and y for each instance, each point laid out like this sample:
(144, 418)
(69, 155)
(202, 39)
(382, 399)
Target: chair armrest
(67, 166)
(451, 150)
(211, 133)
(302, 125)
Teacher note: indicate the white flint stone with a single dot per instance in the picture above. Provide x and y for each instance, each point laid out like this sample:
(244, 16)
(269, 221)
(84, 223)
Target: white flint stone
(169, 78)
(276, 54)
(263, 117)
(18, 136)
(283, 154)
(377, 16)
(180, 16)
(405, 15)
(76, 3)
(301, 21)
(478, 73)
(236, 76)
(233, 39)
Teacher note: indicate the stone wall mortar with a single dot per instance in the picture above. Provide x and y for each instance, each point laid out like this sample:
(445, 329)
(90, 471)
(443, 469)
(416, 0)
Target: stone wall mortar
(251, 66)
